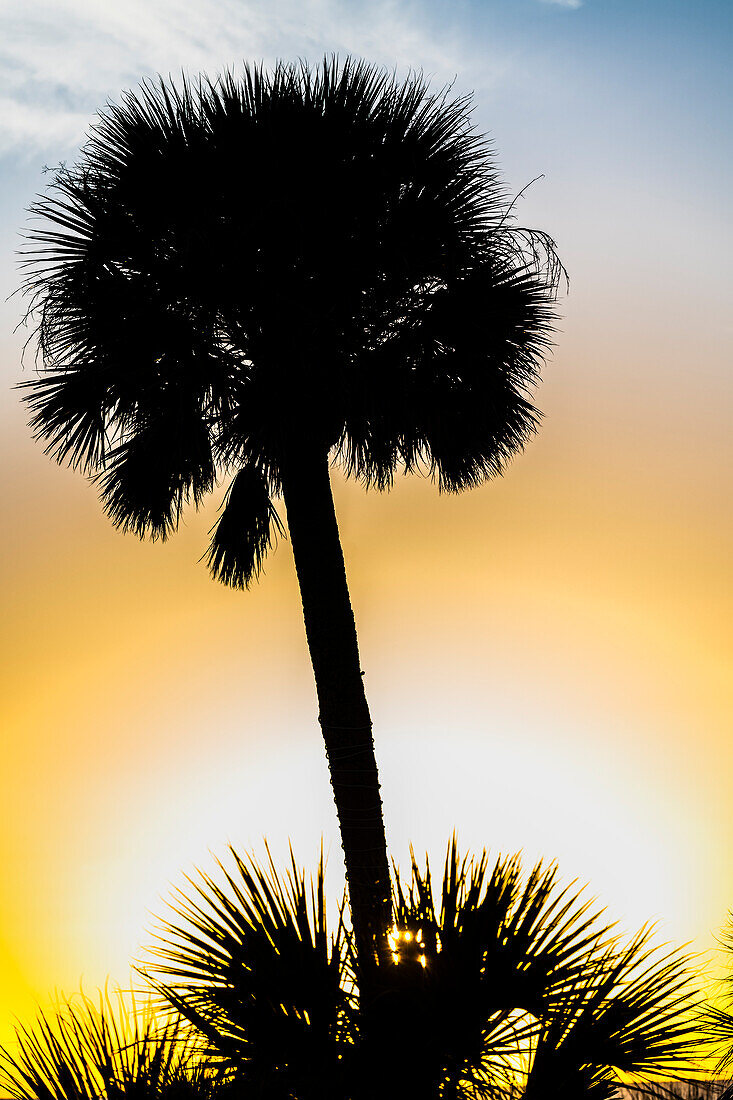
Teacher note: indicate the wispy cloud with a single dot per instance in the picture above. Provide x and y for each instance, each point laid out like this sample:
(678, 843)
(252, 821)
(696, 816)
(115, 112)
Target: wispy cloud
(564, 3)
(61, 58)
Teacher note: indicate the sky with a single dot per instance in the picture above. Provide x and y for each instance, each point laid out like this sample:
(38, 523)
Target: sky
(547, 657)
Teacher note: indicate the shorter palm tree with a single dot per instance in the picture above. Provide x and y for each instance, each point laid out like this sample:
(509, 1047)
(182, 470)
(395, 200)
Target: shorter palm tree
(507, 985)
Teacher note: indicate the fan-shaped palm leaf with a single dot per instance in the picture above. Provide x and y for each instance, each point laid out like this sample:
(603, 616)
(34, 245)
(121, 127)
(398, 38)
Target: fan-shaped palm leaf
(629, 1011)
(250, 963)
(510, 967)
(473, 974)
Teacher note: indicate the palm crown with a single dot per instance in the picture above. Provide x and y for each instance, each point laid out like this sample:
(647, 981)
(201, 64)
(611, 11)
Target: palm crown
(241, 271)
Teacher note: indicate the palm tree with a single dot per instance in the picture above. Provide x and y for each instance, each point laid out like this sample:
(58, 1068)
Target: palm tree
(253, 277)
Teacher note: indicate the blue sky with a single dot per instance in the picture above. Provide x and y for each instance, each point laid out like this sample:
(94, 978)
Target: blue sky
(623, 105)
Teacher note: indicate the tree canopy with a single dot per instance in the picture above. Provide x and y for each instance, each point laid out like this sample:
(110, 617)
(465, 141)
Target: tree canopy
(243, 269)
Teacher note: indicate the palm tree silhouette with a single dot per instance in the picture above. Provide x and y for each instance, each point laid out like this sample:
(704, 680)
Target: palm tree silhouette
(257, 276)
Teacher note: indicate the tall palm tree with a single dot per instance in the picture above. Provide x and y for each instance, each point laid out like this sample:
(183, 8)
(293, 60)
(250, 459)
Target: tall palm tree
(253, 277)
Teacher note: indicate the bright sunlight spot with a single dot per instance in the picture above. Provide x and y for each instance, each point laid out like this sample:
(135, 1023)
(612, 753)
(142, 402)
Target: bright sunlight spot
(406, 945)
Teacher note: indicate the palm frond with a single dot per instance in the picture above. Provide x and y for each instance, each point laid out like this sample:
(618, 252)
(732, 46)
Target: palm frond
(148, 477)
(716, 1020)
(112, 1050)
(246, 529)
(69, 413)
(630, 1011)
(251, 964)
(460, 368)
(717, 1026)
(480, 968)
(503, 984)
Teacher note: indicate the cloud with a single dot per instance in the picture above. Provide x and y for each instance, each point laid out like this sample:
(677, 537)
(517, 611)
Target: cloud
(61, 59)
(564, 3)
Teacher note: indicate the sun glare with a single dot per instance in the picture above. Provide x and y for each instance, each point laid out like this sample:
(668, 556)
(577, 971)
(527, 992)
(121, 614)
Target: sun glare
(406, 945)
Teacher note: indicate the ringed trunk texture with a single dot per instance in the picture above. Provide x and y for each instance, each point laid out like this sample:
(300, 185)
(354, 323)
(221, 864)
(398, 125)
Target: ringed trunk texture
(343, 711)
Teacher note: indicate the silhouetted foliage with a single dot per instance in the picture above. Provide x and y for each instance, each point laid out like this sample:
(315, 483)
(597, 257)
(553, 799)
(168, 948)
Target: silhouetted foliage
(508, 986)
(252, 966)
(118, 1050)
(239, 268)
(716, 1019)
(628, 1011)
(237, 550)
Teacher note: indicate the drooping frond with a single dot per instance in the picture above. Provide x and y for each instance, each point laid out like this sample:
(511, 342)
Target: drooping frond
(69, 413)
(244, 531)
(111, 1051)
(252, 965)
(148, 477)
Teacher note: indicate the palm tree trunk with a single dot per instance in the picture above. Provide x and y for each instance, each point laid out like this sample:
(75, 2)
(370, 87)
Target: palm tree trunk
(343, 711)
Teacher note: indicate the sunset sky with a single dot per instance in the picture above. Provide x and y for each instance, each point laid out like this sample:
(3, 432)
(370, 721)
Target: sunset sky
(547, 658)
